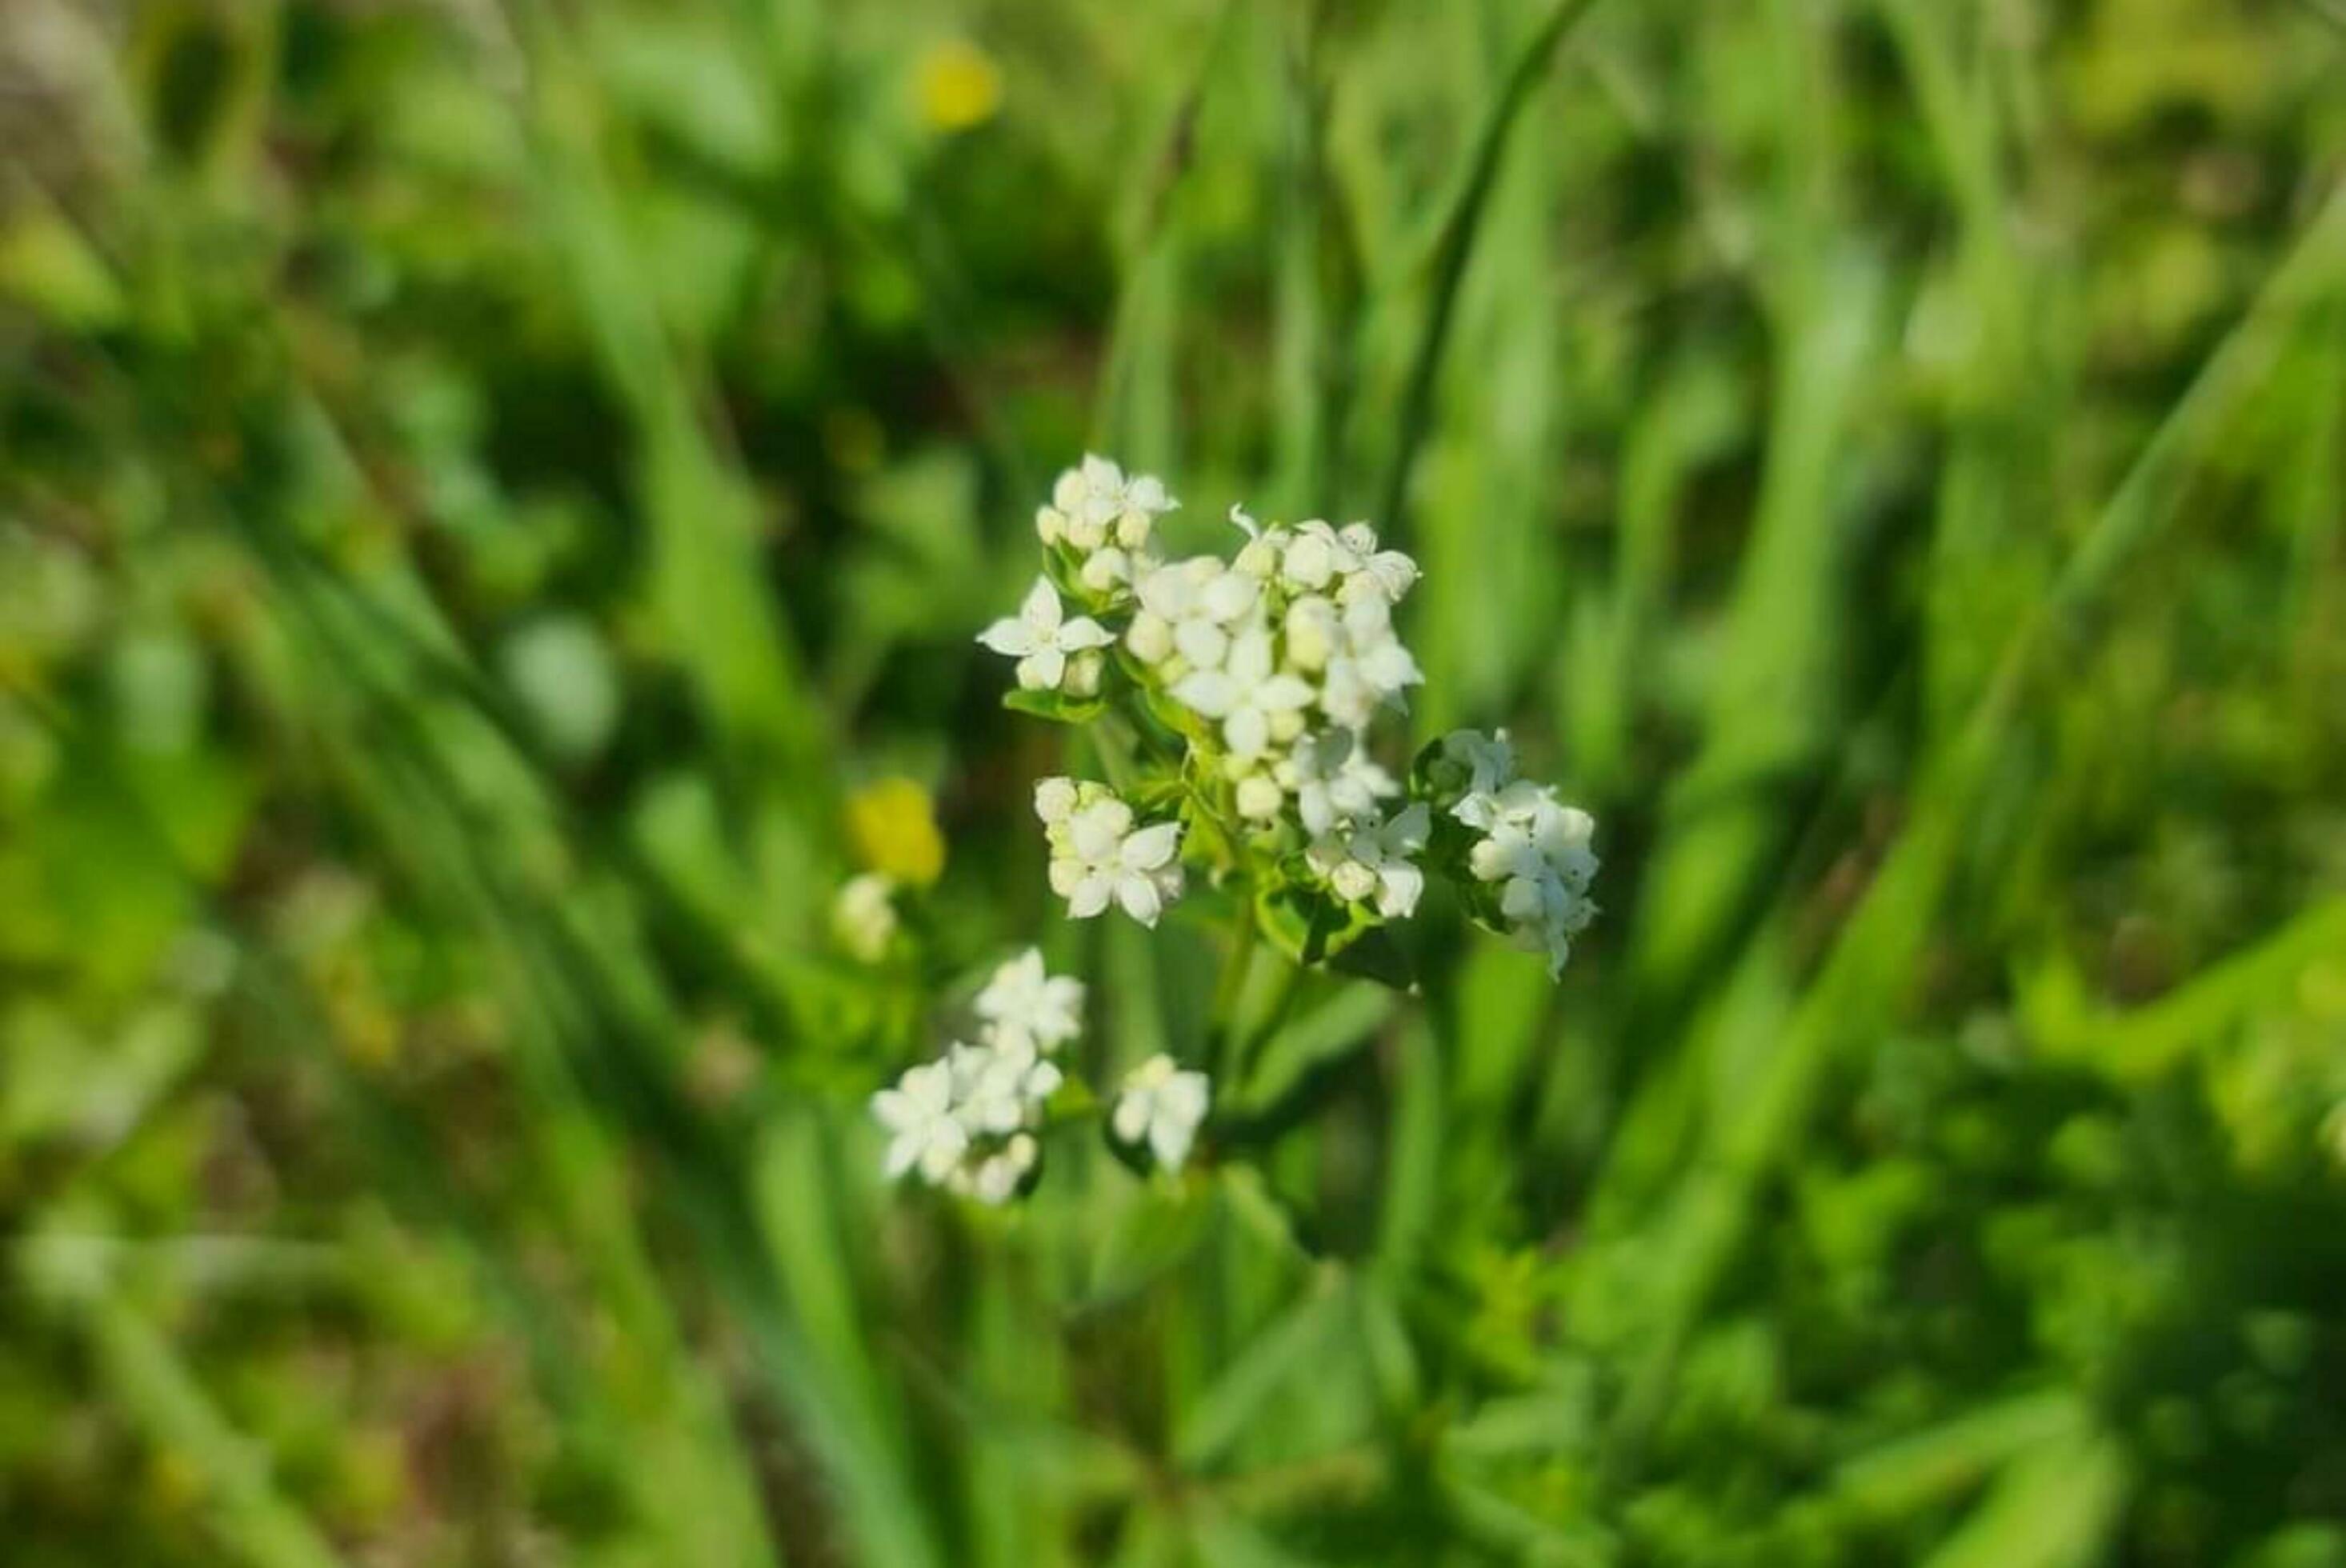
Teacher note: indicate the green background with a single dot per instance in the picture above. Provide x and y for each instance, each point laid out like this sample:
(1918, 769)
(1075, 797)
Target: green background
(480, 485)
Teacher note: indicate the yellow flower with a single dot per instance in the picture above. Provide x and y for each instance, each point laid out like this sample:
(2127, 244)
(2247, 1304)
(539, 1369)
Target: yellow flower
(895, 831)
(959, 85)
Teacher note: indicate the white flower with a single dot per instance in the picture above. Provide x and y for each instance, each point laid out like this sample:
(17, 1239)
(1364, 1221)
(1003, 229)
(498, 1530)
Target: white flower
(996, 1178)
(1316, 556)
(1098, 857)
(925, 1133)
(1375, 862)
(1024, 1004)
(1538, 848)
(1255, 704)
(1190, 607)
(999, 1085)
(862, 918)
(1162, 1105)
(1387, 573)
(1371, 669)
(1040, 640)
(1094, 504)
(1334, 779)
(1480, 764)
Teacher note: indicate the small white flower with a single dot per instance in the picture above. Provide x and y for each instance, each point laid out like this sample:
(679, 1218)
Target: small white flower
(1094, 504)
(924, 1132)
(1538, 848)
(999, 1085)
(1041, 640)
(1483, 764)
(1098, 857)
(1256, 704)
(1334, 779)
(996, 1178)
(864, 918)
(1024, 1004)
(1386, 573)
(1376, 863)
(1316, 556)
(1162, 1105)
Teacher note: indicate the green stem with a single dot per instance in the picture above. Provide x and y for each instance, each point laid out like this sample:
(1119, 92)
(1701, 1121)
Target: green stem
(1230, 991)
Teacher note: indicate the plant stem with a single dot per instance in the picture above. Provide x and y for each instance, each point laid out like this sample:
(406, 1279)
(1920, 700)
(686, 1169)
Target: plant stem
(1229, 991)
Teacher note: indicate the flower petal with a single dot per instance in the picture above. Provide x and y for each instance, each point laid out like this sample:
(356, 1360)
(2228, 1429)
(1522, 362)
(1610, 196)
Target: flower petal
(1138, 896)
(1084, 632)
(1009, 636)
(1090, 897)
(1149, 848)
(1041, 609)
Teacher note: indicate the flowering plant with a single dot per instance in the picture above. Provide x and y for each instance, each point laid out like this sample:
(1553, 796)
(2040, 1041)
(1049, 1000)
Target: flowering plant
(1234, 705)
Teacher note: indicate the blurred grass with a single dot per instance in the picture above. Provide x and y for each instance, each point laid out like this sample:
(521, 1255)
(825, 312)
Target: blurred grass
(479, 484)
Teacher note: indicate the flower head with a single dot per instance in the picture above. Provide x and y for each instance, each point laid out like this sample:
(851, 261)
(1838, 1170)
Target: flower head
(1161, 1105)
(1094, 504)
(999, 1085)
(1537, 851)
(1024, 1004)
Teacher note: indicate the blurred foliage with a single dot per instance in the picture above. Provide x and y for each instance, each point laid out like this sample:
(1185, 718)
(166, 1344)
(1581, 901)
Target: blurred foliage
(495, 499)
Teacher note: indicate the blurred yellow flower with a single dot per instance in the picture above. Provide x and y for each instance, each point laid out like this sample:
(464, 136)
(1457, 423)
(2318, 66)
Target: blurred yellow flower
(895, 831)
(959, 85)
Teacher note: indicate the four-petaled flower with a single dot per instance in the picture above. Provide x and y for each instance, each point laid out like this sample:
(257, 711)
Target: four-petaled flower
(1041, 640)
(1255, 703)
(924, 1132)
(1161, 1105)
(1376, 863)
(1099, 857)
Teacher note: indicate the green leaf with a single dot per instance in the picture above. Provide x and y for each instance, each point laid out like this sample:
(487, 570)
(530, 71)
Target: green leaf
(1374, 954)
(1056, 706)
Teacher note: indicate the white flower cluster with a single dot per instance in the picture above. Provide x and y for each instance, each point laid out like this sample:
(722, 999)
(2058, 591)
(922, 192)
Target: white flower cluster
(1533, 849)
(1255, 681)
(1098, 855)
(966, 1121)
(1283, 655)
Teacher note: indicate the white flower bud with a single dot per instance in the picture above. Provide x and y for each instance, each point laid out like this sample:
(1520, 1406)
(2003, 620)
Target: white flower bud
(1083, 677)
(1150, 639)
(1258, 797)
(1105, 569)
(1050, 524)
(1309, 563)
(1054, 799)
(1312, 627)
